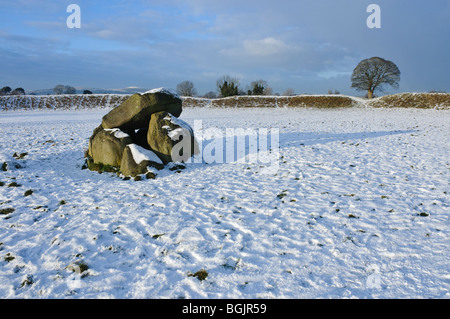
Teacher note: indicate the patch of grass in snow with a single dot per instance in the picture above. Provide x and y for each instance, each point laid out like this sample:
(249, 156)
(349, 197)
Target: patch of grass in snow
(201, 274)
(282, 194)
(19, 156)
(150, 175)
(27, 282)
(9, 257)
(224, 199)
(422, 214)
(100, 168)
(79, 267)
(6, 211)
(44, 208)
(28, 192)
(14, 184)
(231, 265)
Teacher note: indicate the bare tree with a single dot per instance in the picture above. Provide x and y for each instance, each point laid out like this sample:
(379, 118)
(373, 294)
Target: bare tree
(336, 92)
(5, 90)
(59, 89)
(210, 95)
(64, 89)
(186, 88)
(18, 91)
(371, 74)
(257, 87)
(69, 90)
(289, 92)
(268, 90)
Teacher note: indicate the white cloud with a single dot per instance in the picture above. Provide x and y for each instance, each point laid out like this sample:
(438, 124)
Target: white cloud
(267, 47)
(329, 74)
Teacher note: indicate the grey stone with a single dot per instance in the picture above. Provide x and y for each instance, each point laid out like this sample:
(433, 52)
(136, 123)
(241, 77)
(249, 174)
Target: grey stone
(134, 113)
(106, 146)
(171, 138)
(136, 160)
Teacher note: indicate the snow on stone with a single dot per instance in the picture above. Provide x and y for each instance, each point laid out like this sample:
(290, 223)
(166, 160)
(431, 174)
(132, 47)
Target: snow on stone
(117, 132)
(177, 121)
(141, 154)
(161, 90)
(175, 134)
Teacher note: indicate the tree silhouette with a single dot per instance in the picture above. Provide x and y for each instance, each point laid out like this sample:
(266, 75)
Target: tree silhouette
(5, 90)
(228, 86)
(372, 74)
(186, 88)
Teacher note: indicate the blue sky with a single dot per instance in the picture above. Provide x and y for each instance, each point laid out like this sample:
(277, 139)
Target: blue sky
(310, 46)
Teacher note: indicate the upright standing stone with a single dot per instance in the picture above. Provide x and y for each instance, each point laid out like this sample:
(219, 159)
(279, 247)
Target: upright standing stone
(106, 146)
(136, 160)
(165, 132)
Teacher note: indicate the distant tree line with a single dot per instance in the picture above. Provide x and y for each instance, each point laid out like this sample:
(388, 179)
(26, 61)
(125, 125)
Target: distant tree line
(67, 89)
(6, 90)
(64, 89)
(230, 86)
(335, 92)
(370, 75)
(59, 89)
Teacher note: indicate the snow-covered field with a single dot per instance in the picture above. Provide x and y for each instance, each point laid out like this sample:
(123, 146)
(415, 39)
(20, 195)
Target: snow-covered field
(358, 208)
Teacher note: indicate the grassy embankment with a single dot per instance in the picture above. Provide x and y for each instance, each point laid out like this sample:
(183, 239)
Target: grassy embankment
(79, 101)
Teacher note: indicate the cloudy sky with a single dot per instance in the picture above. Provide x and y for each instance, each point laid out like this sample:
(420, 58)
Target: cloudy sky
(310, 46)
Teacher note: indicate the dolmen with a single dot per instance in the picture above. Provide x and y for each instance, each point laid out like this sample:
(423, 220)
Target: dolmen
(142, 134)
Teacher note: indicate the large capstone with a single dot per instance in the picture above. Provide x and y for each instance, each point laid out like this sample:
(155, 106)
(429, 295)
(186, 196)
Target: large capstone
(134, 113)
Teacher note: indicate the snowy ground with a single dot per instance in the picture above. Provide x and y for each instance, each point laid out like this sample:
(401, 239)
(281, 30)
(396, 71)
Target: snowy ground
(359, 208)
